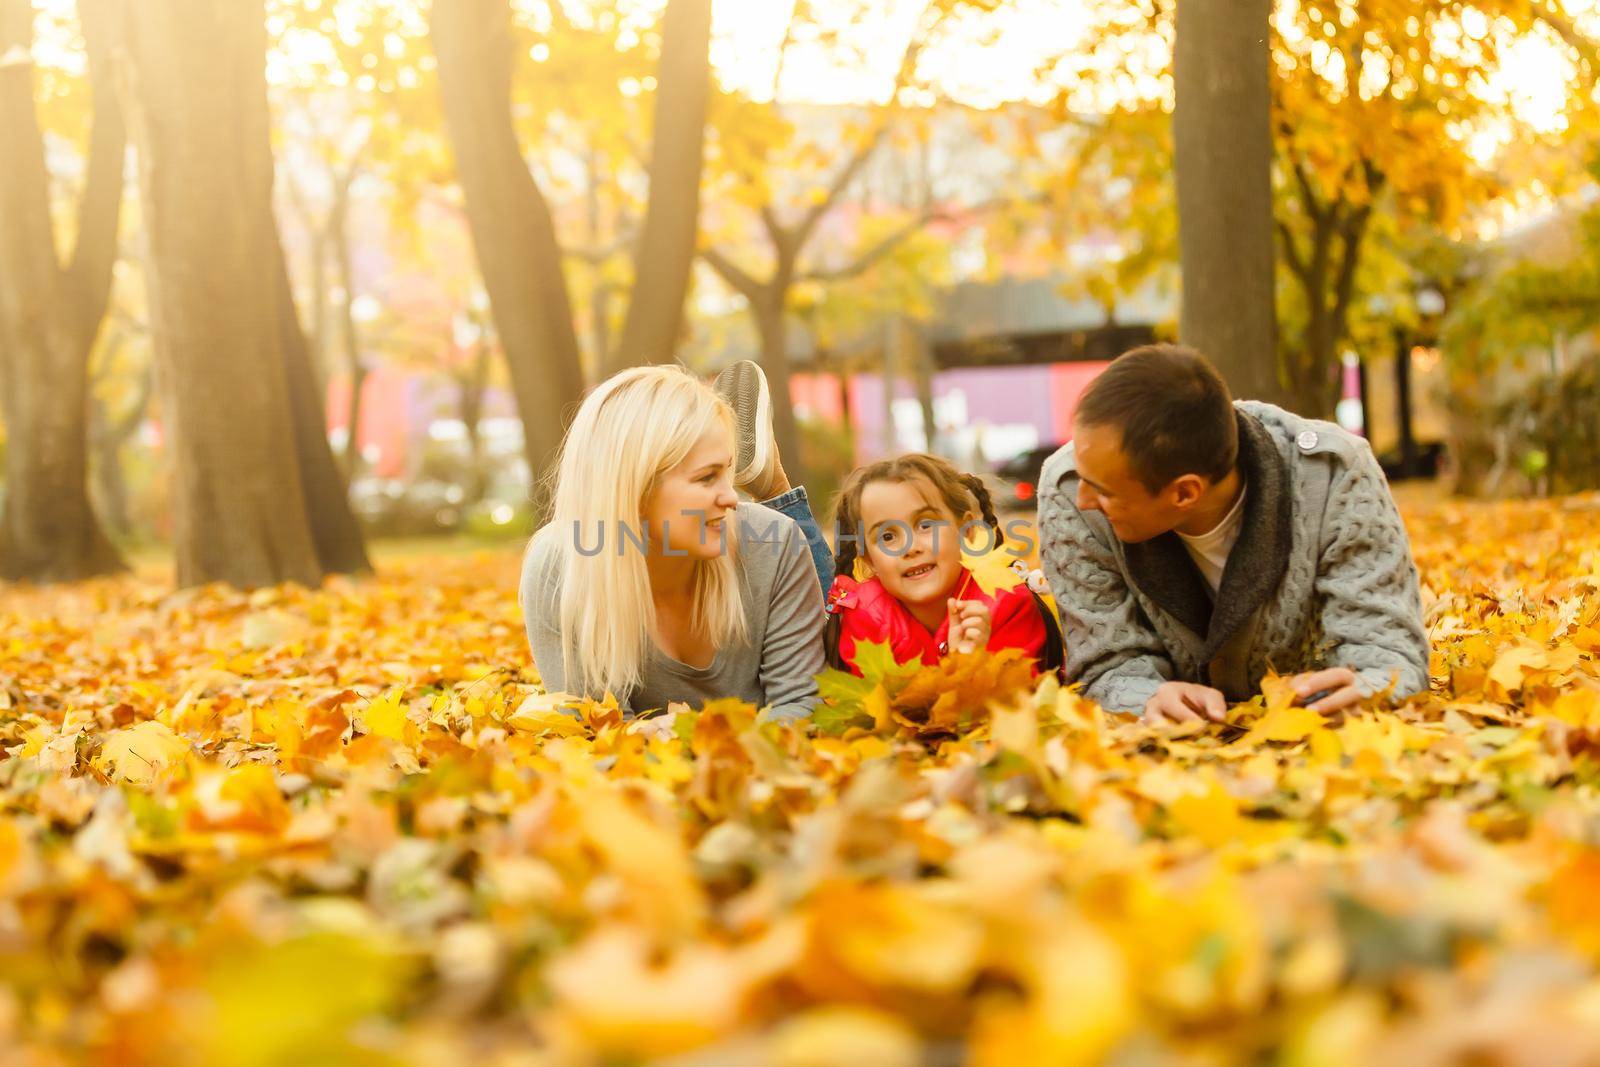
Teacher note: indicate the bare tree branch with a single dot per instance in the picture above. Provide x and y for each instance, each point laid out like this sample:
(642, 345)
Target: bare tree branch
(1291, 253)
(1352, 230)
(836, 188)
(847, 174)
(776, 233)
(737, 277)
(872, 255)
(892, 240)
(1308, 196)
(783, 46)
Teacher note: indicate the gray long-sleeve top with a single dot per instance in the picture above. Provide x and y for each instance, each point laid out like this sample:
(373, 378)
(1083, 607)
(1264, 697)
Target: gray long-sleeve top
(1322, 577)
(777, 666)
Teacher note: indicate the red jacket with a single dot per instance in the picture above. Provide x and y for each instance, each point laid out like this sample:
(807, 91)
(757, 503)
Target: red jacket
(867, 612)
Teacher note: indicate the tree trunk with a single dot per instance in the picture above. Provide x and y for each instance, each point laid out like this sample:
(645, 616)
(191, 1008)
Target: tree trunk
(317, 258)
(319, 311)
(472, 385)
(600, 313)
(1223, 139)
(352, 418)
(339, 232)
(510, 221)
(50, 316)
(602, 362)
(109, 434)
(665, 255)
(893, 360)
(922, 368)
(337, 535)
(1328, 285)
(775, 362)
(109, 484)
(1402, 403)
(197, 80)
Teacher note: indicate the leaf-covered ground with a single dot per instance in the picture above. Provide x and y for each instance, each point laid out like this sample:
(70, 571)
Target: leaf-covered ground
(344, 826)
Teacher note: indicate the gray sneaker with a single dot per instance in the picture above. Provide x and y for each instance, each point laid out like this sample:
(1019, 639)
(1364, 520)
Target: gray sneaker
(755, 451)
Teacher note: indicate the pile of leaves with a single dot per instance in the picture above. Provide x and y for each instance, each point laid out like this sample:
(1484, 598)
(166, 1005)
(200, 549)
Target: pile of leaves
(348, 825)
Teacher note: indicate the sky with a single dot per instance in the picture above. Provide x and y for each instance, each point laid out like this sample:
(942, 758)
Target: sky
(985, 61)
(748, 34)
(982, 65)
(982, 73)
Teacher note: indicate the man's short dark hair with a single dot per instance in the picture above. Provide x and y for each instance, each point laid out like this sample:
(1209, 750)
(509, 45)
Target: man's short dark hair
(1174, 411)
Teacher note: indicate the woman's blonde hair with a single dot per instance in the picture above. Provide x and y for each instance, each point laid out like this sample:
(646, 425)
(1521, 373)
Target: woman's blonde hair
(630, 431)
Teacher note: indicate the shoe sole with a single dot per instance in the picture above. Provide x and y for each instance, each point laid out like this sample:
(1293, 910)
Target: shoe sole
(744, 387)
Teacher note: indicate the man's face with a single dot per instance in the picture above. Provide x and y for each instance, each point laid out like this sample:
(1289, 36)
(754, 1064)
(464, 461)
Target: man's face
(1107, 484)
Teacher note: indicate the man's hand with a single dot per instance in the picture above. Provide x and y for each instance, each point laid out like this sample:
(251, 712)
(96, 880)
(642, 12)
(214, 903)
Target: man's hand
(969, 625)
(1184, 702)
(1337, 686)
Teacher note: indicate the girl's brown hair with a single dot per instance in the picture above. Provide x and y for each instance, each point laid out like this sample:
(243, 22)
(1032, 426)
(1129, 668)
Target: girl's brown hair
(961, 493)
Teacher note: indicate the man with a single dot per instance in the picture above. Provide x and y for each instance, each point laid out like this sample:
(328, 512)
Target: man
(1194, 544)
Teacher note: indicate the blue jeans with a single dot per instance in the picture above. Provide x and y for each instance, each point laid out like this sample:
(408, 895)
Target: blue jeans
(797, 506)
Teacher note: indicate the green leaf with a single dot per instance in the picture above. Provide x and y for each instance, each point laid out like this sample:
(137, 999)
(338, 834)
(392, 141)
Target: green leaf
(683, 725)
(842, 687)
(876, 662)
(835, 719)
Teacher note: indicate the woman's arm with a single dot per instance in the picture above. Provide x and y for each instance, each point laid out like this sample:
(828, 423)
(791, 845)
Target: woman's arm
(791, 648)
(539, 594)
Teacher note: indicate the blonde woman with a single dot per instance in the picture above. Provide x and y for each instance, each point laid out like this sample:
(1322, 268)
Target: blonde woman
(652, 581)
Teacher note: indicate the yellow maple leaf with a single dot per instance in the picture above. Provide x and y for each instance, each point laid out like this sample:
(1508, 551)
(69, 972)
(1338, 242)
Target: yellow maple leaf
(990, 565)
(1211, 817)
(385, 716)
(142, 753)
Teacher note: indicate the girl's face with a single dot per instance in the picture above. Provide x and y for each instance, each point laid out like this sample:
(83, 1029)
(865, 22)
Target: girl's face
(692, 506)
(913, 542)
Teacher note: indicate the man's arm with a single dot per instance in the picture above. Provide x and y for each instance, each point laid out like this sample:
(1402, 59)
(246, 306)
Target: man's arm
(1367, 582)
(1109, 647)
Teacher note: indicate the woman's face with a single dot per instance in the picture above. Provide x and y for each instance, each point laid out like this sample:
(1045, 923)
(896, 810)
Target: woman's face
(913, 541)
(692, 507)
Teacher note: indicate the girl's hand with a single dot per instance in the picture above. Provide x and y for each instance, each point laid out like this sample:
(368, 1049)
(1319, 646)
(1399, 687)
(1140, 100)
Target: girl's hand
(969, 626)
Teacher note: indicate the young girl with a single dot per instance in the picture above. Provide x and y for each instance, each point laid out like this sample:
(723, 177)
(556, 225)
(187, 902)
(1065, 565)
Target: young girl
(901, 577)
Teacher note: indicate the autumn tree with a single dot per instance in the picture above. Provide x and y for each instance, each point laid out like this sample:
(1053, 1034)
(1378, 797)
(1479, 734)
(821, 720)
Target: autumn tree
(1378, 113)
(510, 219)
(790, 184)
(668, 239)
(357, 105)
(258, 497)
(51, 311)
(1374, 114)
(1222, 137)
(513, 228)
(586, 96)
